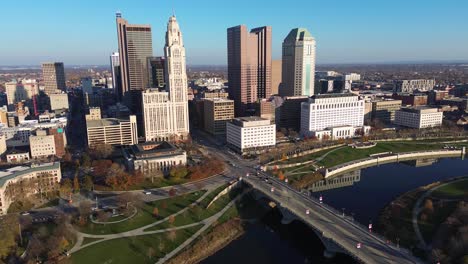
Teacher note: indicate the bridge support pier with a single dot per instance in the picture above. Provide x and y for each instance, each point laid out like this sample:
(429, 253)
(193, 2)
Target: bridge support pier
(329, 254)
(331, 248)
(288, 217)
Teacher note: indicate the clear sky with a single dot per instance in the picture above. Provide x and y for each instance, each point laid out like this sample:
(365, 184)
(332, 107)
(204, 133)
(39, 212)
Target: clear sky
(360, 31)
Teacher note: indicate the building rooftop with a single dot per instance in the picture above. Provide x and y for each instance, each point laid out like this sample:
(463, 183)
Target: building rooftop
(420, 109)
(335, 95)
(216, 99)
(150, 150)
(105, 122)
(250, 121)
(250, 118)
(18, 171)
(298, 34)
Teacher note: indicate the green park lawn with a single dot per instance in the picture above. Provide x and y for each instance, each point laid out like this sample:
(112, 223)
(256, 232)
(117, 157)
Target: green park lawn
(349, 154)
(139, 249)
(144, 215)
(200, 212)
(454, 190)
(346, 154)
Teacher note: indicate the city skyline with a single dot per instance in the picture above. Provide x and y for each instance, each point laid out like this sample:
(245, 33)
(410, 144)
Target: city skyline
(364, 32)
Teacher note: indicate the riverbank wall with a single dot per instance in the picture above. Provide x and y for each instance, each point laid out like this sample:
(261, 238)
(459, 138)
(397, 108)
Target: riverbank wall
(389, 158)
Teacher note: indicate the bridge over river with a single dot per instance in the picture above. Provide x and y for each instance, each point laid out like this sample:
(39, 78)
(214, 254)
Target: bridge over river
(339, 233)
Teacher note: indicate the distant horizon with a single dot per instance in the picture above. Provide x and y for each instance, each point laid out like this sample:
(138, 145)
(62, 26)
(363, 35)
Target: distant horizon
(422, 62)
(347, 32)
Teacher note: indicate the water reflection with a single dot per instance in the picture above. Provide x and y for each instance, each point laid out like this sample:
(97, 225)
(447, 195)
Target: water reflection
(377, 186)
(345, 180)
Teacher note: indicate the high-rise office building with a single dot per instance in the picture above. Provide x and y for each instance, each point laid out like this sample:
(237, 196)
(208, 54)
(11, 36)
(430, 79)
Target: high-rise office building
(53, 74)
(276, 75)
(249, 67)
(166, 113)
(298, 71)
(135, 46)
(116, 74)
(157, 72)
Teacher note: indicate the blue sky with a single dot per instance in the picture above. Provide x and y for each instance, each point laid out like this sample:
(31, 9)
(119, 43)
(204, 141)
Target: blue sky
(361, 31)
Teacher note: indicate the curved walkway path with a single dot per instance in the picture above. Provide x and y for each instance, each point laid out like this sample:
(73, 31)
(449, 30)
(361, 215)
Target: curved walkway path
(312, 162)
(417, 209)
(143, 230)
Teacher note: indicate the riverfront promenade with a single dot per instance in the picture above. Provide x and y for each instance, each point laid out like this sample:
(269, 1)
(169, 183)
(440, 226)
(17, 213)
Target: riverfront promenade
(388, 158)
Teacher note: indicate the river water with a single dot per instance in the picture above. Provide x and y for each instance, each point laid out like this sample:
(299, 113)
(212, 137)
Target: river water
(363, 194)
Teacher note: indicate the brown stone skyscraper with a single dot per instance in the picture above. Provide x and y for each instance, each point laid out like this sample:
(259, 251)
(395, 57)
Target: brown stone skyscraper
(249, 67)
(135, 47)
(54, 77)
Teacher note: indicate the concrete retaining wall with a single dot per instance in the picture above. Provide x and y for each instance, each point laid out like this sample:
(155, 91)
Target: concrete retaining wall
(373, 161)
(224, 192)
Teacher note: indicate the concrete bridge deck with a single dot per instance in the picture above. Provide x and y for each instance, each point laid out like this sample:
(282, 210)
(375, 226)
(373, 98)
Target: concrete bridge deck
(338, 233)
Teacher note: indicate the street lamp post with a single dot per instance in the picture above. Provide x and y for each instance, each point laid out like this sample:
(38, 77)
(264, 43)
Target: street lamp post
(342, 209)
(398, 242)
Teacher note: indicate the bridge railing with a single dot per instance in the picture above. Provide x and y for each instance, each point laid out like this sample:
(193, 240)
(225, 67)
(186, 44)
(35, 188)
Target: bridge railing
(350, 220)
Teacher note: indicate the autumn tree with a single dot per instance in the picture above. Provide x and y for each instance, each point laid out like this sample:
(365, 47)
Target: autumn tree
(84, 210)
(171, 219)
(101, 151)
(156, 212)
(178, 172)
(281, 176)
(86, 160)
(65, 187)
(428, 206)
(172, 235)
(76, 184)
(88, 183)
(8, 224)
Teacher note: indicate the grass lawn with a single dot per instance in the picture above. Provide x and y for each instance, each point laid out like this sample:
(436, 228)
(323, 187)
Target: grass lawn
(139, 249)
(144, 215)
(304, 158)
(88, 240)
(147, 184)
(53, 202)
(454, 190)
(200, 212)
(349, 154)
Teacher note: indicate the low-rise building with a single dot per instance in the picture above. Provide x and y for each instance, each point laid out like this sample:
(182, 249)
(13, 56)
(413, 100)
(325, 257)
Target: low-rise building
(3, 145)
(151, 157)
(411, 99)
(341, 132)
(16, 156)
(246, 134)
(461, 103)
(384, 110)
(410, 86)
(435, 96)
(214, 94)
(217, 112)
(42, 145)
(58, 101)
(94, 113)
(418, 117)
(112, 131)
(45, 177)
(288, 115)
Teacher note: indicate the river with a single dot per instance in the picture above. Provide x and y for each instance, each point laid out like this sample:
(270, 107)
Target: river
(363, 194)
